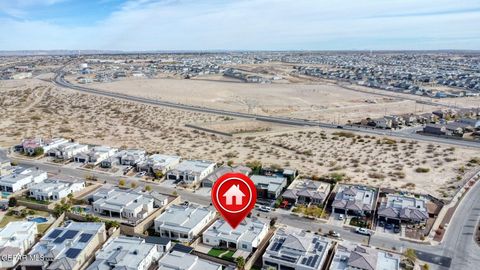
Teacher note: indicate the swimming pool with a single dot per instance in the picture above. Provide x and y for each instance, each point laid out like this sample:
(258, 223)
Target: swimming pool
(38, 219)
(5, 194)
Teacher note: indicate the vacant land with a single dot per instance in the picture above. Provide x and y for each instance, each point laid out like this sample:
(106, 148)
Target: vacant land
(36, 108)
(316, 101)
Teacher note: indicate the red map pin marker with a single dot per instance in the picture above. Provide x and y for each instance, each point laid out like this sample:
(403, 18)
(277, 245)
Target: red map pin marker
(234, 195)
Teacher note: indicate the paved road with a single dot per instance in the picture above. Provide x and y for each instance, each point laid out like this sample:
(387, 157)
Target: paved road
(59, 80)
(431, 254)
(458, 242)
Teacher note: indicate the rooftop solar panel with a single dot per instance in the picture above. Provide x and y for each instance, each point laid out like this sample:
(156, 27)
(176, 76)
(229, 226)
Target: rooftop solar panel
(314, 261)
(59, 240)
(70, 234)
(85, 237)
(72, 253)
(55, 233)
(309, 260)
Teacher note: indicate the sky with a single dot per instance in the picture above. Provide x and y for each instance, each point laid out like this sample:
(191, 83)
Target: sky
(150, 25)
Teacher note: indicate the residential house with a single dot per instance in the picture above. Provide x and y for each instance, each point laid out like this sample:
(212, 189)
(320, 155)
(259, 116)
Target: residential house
(130, 205)
(305, 191)
(246, 236)
(55, 189)
(131, 157)
(295, 249)
(383, 123)
(21, 179)
(67, 150)
(158, 163)
(212, 178)
(354, 200)
(29, 145)
(435, 129)
(177, 260)
(395, 208)
(16, 238)
(52, 143)
(126, 253)
(191, 172)
(269, 187)
(95, 155)
(183, 222)
(67, 247)
(352, 256)
(475, 123)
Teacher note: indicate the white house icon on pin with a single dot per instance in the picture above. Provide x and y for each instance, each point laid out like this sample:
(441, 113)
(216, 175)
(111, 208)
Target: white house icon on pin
(234, 191)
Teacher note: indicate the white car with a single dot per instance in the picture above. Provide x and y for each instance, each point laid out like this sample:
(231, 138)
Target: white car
(341, 217)
(264, 208)
(363, 231)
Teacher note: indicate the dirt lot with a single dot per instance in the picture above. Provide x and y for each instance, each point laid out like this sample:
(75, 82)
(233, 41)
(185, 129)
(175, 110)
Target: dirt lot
(317, 101)
(37, 108)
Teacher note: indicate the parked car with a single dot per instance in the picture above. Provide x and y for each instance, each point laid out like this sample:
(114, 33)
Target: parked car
(363, 231)
(141, 174)
(381, 223)
(265, 208)
(334, 234)
(389, 226)
(397, 229)
(341, 217)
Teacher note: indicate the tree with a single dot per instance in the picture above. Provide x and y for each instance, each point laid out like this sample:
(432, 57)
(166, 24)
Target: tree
(38, 151)
(426, 266)
(111, 224)
(273, 220)
(62, 207)
(12, 202)
(255, 165)
(148, 188)
(410, 255)
(240, 262)
(133, 185)
(121, 183)
(158, 175)
(230, 163)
